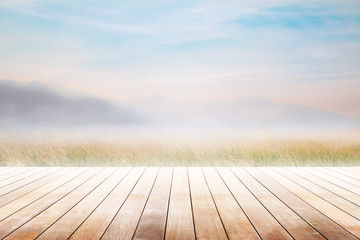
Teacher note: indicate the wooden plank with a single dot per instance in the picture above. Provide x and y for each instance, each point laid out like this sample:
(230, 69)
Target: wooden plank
(180, 223)
(244, 203)
(236, 223)
(295, 225)
(5, 170)
(208, 224)
(346, 173)
(337, 215)
(68, 223)
(328, 228)
(9, 206)
(20, 176)
(265, 224)
(34, 227)
(333, 180)
(350, 196)
(96, 224)
(15, 173)
(153, 220)
(13, 195)
(343, 178)
(323, 193)
(17, 219)
(353, 170)
(26, 181)
(12, 172)
(124, 224)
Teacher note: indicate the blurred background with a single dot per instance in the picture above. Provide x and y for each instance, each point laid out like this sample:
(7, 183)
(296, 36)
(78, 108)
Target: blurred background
(179, 69)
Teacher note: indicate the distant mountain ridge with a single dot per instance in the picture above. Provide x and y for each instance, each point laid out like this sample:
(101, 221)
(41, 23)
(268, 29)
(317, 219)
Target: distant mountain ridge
(37, 104)
(244, 112)
(34, 105)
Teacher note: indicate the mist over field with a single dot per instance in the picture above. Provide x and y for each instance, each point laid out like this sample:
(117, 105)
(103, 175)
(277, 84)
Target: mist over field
(183, 82)
(36, 107)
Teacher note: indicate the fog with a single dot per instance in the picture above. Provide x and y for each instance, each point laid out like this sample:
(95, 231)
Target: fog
(35, 108)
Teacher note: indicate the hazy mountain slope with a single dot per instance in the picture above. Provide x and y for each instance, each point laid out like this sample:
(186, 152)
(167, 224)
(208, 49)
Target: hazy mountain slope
(36, 104)
(242, 112)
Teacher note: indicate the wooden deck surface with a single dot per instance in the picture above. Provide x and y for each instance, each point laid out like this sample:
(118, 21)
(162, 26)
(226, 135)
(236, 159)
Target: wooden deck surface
(180, 203)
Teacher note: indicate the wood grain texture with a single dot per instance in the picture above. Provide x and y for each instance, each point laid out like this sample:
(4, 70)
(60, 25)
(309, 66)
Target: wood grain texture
(335, 181)
(303, 185)
(14, 172)
(265, 224)
(19, 177)
(344, 172)
(124, 223)
(296, 226)
(324, 225)
(35, 185)
(96, 224)
(153, 220)
(34, 227)
(208, 224)
(23, 215)
(68, 223)
(236, 223)
(26, 181)
(179, 203)
(180, 220)
(8, 208)
(342, 192)
(348, 183)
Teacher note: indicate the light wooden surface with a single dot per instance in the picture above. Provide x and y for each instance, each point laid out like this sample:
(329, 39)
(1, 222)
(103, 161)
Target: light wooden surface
(179, 203)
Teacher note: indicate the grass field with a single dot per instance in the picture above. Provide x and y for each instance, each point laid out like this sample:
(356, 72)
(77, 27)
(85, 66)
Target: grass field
(234, 152)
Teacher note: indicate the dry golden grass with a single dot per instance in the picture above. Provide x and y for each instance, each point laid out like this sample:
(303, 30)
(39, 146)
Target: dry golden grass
(15, 152)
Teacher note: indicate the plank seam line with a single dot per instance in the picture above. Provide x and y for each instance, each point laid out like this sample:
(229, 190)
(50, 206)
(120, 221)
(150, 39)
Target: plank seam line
(100, 203)
(284, 202)
(31, 182)
(77, 203)
(341, 180)
(147, 199)
(36, 188)
(168, 205)
(317, 194)
(212, 197)
(191, 202)
(122, 203)
(261, 202)
(11, 171)
(238, 204)
(306, 204)
(51, 204)
(14, 171)
(352, 168)
(332, 183)
(325, 187)
(23, 177)
(40, 196)
(344, 173)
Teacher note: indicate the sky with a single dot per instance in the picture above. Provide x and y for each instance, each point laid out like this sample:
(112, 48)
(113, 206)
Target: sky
(301, 52)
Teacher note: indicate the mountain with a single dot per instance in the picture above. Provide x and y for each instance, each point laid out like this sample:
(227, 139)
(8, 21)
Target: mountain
(37, 105)
(243, 113)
